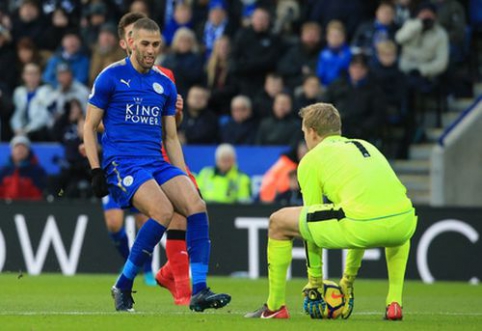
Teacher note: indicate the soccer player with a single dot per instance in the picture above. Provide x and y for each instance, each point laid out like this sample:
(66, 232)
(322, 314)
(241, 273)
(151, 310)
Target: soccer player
(369, 208)
(136, 103)
(174, 275)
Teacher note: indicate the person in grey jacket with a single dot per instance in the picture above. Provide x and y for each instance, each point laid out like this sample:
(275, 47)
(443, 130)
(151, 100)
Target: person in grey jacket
(425, 46)
(31, 116)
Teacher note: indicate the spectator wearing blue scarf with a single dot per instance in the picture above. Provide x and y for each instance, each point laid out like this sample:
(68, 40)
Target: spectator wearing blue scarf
(215, 26)
(382, 28)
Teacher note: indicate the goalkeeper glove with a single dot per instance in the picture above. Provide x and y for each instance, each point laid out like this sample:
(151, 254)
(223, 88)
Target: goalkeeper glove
(346, 284)
(99, 183)
(314, 304)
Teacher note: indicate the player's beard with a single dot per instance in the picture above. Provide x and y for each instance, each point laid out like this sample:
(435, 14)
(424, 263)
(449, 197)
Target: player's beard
(143, 62)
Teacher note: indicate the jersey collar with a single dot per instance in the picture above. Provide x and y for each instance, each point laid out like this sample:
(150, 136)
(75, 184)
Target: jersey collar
(131, 67)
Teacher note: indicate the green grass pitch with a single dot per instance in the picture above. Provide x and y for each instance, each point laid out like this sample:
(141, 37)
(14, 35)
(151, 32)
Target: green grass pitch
(83, 302)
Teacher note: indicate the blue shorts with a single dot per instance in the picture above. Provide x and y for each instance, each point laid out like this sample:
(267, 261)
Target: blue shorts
(126, 175)
(109, 203)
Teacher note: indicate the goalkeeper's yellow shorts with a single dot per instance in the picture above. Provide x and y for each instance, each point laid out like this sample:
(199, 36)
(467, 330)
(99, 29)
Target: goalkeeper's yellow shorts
(327, 227)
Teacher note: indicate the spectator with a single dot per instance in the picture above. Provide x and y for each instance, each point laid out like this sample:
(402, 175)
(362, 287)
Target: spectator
(215, 27)
(105, 52)
(425, 47)
(74, 177)
(292, 196)
(199, 125)
(140, 6)
(393, 84)
(382, 28)
(68, 88)
(335, 58)
(241, 128)
(359, 100)
(310, 92)
(219, 79)
(72, 54)
(167, 11)
(94, 17)
(287, 17)
(451, 16)
(6, 111)
(277, 179)
(8, 72)
(392, 81)
(255, 53)
(263, 102)
(29, 22)
(5, 19)
(27, 53)
(31, 116)
(246, 11)
(301, 59)
(60, 23)
(22, 178)
(403, 11)
(185, 61)
(282, 128)
(350, 13)
(71, 7)
(224, 183)
(182, 18)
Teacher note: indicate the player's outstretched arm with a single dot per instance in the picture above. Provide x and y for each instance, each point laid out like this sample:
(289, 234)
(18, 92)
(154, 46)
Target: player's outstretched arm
(171, 142)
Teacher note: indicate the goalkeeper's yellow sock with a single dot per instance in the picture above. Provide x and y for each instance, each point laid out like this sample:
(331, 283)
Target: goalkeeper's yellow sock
(279, 259)
(397, 258)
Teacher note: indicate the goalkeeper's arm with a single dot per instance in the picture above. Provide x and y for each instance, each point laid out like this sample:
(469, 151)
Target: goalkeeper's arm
(314, 303)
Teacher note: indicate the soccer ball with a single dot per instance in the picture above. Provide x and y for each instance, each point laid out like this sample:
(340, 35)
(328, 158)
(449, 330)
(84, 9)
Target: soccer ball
(334, 299)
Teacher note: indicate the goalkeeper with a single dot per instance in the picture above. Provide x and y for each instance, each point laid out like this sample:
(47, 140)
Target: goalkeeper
(369, 208)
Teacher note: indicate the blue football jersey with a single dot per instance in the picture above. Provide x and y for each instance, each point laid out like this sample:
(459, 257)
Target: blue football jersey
(133, 105)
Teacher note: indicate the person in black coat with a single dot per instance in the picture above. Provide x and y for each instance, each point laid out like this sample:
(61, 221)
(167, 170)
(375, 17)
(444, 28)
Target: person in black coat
(310, 92)
(359, 100)
(199, 125)
(241, 128)
(283, 128)
(255, 53)
(301, 59)
(8, 71)
(186, 63)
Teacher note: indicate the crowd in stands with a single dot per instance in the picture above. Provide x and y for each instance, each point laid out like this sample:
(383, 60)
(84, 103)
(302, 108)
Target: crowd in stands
(243, 67)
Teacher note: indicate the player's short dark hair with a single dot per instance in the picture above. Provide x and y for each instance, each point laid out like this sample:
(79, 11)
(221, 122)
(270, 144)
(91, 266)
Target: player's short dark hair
(126, 20)
(146, 24)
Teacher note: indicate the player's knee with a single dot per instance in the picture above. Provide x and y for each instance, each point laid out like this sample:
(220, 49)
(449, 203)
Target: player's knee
(274, 224)
(113, 224)
(197, 206)
(162, 215)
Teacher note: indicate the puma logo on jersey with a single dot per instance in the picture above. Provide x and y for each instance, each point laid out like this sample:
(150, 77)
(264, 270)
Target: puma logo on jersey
(126, 82)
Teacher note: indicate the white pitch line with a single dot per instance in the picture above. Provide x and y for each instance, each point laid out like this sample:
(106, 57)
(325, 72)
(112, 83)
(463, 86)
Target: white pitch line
(98, 313)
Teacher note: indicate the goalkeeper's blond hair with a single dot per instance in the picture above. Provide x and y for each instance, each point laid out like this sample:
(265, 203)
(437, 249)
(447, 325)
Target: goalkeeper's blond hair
(324, 118)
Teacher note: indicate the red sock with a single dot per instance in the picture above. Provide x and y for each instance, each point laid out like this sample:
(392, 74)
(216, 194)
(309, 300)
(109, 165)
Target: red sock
(178, 261)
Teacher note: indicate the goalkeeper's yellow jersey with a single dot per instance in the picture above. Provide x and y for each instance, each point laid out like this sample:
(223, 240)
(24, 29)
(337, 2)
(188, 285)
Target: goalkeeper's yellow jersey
(353, 174)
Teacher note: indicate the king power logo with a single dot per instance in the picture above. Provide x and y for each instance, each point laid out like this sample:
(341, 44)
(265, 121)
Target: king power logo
(136, 112)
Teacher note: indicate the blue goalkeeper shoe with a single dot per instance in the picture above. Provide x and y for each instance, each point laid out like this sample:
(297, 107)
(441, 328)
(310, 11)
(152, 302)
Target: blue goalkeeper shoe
(207, 299)
(123, 300)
